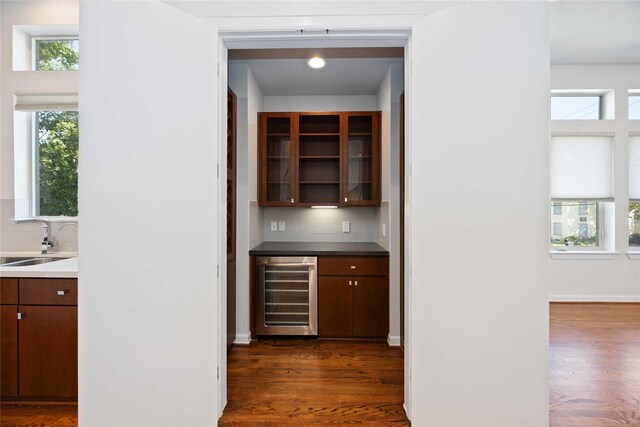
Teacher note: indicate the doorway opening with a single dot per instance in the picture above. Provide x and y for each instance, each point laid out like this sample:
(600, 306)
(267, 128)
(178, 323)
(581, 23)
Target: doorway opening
(279, 80)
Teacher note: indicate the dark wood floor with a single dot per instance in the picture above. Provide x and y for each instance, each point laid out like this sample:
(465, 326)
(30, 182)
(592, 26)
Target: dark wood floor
(594, 378)
(594, 365)
(315, 382)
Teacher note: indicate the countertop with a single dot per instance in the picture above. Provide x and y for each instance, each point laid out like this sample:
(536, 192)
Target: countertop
(319, 249)
(65, 268)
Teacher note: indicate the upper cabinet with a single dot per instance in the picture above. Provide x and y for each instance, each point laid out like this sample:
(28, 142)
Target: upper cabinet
(315, 159)
(276, 180)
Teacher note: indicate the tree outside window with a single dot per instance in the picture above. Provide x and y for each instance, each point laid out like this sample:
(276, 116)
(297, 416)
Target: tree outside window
(57, 163)
(57, 55)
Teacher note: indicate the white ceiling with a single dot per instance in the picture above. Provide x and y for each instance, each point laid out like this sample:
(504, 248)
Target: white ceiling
(595, 32)
(341, 76)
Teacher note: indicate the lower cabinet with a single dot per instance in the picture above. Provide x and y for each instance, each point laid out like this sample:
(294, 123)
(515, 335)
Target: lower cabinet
(39, 338)
(48, 351)
(353, 306)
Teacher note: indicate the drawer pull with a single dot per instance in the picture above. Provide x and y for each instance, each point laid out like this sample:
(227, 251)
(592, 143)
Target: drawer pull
(349, 282)
(353, 267)
(356, 283)
(61, 293)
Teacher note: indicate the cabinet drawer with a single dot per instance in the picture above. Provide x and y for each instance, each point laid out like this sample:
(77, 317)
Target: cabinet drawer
(353, 266)
(49, 291)
(8, 290)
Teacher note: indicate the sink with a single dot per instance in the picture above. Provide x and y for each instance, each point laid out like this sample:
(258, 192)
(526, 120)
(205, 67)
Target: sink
(25, 261)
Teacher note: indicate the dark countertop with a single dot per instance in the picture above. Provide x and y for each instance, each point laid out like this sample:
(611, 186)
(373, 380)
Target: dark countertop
(318, 249)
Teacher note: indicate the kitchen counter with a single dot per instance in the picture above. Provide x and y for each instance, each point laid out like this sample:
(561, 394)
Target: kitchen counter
(319, 249)
(65, 268)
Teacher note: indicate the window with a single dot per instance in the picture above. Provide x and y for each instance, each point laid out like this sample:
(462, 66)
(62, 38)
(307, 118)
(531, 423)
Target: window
(55, 163)
(45, 152)
(634, 223)
(557, 208)
(581, 171)
(634, 191)
(574, 229)
(582, 208)
(56, 54)
(634, 105)
(576, 107)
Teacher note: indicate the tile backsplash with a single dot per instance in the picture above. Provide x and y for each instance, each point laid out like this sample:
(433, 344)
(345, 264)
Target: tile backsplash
(321, 225)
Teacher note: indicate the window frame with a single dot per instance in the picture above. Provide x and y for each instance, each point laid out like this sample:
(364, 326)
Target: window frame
(34, 50)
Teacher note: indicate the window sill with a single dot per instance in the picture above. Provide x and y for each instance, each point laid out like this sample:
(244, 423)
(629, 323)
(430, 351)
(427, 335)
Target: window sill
(579, 255)
(634, 255)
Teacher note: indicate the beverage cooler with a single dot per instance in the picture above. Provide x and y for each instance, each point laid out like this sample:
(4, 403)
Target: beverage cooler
(287, 296)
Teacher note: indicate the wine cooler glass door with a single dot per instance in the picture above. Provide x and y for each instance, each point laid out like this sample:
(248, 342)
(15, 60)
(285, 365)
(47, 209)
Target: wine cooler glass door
(287, 296)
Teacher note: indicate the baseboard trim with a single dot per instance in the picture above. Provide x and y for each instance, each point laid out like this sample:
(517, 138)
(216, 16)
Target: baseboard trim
(394, 341)
(242, 339)
(594, 298)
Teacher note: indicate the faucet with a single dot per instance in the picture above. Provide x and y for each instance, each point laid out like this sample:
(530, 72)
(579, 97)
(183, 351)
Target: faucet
(46, 243)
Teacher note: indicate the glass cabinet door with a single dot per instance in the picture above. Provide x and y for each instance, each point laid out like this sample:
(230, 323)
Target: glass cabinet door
(278, 162)
(360, 167)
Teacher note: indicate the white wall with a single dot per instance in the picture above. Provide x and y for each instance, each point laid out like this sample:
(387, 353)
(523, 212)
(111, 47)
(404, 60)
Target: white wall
(26, 237)
(320, 103)
(149, 203)
(478, 336)
(249, 216)
(389, 212)
(616, 277)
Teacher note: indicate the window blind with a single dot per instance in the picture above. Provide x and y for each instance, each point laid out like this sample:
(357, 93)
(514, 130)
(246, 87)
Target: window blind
(47, 102)
(634, 168)
(581, 168)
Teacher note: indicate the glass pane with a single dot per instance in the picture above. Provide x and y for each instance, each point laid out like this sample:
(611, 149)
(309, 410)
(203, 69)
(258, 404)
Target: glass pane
(286, 296)
(574, 224)
(360, 148)
(634, 107)
(278, 159)
(57, 55)
(634, 224)
(56, 169)
(575, 107)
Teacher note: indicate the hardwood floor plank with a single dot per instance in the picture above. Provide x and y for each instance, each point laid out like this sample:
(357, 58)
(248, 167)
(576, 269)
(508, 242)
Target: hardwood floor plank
(594, 365)
(315, 382)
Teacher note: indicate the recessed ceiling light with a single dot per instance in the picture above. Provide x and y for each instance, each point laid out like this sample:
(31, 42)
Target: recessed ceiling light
(316, 62)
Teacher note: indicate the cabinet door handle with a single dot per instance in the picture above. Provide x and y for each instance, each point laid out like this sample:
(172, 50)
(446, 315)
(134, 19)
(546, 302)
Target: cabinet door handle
(349, 282)
(345, 200)
(292, 200)
(356, 284)
(61, 293)
(353, 267)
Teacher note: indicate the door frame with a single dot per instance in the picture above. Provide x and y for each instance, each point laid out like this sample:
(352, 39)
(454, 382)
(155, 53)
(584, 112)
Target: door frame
(232, 38)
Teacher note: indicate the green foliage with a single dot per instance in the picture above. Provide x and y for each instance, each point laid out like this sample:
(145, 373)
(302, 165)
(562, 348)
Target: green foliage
(56, 55)
(58, 162)
(634, 208)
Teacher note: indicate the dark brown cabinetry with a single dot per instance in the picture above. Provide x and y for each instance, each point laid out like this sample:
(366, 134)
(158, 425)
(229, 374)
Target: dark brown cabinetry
(353, 297)
(40, 348)
(319, 159)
